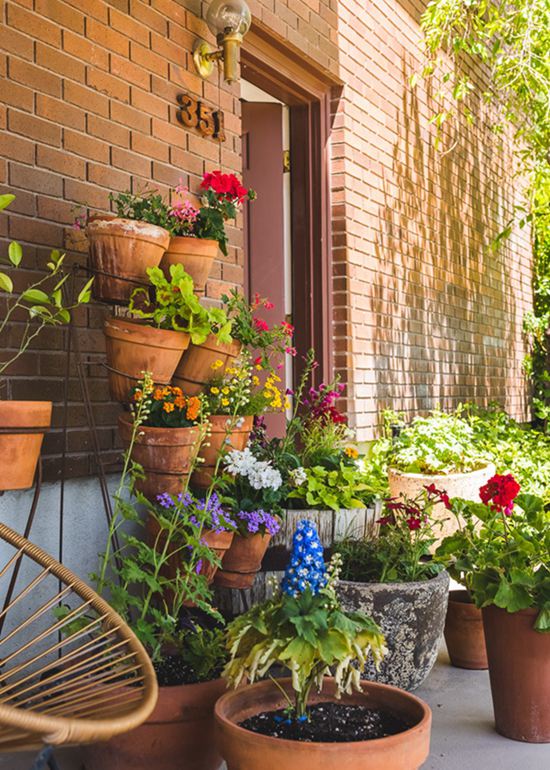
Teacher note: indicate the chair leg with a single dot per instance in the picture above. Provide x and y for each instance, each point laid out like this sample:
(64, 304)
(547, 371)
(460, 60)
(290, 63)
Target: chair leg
(45, 760)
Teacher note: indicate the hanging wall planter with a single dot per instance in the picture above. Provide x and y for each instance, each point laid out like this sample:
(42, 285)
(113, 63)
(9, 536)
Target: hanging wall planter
(226, 433)
(195, 254)
(165, 454)
(181, 726)
(19, 452)
(196, 366)
(133, 348)
(123, 249)
(464, 632)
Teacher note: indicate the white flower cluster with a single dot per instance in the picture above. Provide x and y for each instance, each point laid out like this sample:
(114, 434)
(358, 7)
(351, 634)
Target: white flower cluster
(260, 474)
(298, 476)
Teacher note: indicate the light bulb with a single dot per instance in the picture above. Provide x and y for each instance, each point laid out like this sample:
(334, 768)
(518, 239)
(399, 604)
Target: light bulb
(226, 17)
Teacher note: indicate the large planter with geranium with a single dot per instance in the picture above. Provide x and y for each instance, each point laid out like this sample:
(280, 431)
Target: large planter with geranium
(314, 721)
(501, 552)
(41, 304)
(392, 579)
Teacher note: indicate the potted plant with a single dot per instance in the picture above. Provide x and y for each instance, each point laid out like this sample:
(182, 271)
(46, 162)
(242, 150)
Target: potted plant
(197, 228)
(233, 399)
(439, 449)
(393, 579)
(41, 304)
(501, 548)
(170, 315)
(169, 438)
(123, 246)
(249, 332)
(317, 718)
(185, 643)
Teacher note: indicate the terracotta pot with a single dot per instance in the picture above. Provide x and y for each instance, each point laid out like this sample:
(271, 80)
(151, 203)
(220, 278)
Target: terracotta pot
(242, 561)
(133, 348)
(246, 750)
(195, 368)
(195, 254)
(519, 669)
(123, 248)
(19, 452)
(166, 455)
(223, 437)
(219, 542)
(179, 733)
(464, 632)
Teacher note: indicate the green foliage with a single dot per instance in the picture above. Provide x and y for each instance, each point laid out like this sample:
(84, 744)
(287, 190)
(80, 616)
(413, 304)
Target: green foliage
(310, 635)
(42, 303)
(345, 486)
(442, 443)
(537, 323)
(203, 649)
(145, 206)
(172, 304)
(502, 560)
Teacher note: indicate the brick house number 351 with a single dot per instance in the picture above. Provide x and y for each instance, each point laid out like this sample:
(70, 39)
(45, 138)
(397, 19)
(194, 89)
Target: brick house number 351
(193, 113)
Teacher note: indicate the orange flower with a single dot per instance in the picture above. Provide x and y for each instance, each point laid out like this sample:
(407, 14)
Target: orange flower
(193, 408)
(180, 402)
(177, 391)
(168, 406)
(138, 395)
(158, 394)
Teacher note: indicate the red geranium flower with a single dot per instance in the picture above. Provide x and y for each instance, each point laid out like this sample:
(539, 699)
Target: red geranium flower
(500, 492)
(261, 325)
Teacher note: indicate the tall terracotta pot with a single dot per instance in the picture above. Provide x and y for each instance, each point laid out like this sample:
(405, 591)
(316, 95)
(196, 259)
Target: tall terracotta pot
(242, 561)
(179, 733)
(19, 452)
(519, 670)
(245, 750)
(133, 348)
(464, 632)
(195, 254)
(226, 433)
(196, 366)
(121, 250)
(166, 455)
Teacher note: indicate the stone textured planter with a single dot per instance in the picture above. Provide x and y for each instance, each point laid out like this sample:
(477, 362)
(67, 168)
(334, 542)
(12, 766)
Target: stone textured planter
(412, 618)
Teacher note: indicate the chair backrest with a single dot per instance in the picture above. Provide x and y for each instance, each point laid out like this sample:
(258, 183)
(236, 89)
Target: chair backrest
(71, 670)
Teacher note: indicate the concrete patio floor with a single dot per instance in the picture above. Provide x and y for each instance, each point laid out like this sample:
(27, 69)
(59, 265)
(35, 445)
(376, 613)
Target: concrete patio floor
(463, 736)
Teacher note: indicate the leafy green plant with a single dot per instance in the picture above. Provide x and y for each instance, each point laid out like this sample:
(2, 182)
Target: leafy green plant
(42, 303)
(145, 206)
(502, 554)
(172, 304)
(203, 650)
(239, 390)
(401, 552)
(342, 487)
(303, 629)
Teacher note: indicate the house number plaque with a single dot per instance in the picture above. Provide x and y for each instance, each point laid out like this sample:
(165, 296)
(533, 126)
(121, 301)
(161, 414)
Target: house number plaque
(193, 113)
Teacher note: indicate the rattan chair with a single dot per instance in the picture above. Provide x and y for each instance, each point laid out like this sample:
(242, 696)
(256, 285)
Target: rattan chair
(71, 671)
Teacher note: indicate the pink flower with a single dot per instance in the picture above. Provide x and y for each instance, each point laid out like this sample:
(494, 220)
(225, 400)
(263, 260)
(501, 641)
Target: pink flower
(291, 351)
(261, 325)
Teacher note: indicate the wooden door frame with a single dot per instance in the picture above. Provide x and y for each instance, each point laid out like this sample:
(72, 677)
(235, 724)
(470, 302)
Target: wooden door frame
(276, 67)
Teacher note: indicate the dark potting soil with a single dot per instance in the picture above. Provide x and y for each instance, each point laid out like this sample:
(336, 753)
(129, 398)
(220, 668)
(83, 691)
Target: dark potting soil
(328, 723)
(172, 670)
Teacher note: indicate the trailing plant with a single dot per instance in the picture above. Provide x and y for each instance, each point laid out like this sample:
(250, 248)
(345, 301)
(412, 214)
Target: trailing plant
(168, 407)
(401, 552)
(145, 205)
(501, 551)
(303, 629)
(42, 303)
(172, 304)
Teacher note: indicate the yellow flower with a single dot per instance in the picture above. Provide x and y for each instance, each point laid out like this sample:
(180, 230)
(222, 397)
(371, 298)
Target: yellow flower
(287, 403)
(168, 406)
(352, 452)
(225, 402)
(225, 391)
(255, 380)
(214, 391)
(217, 364)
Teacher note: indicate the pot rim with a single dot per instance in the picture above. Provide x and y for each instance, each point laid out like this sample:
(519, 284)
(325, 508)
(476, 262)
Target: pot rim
(145, 230)
(442, 577)
(304, 746)
(531, 611)
(126, 419)
(25, 414)
(111, 323)
(433, 476)
(193, 238)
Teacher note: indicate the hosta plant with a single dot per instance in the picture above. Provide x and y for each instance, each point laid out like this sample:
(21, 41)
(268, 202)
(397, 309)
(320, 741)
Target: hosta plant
(303, 629)
(501, 552)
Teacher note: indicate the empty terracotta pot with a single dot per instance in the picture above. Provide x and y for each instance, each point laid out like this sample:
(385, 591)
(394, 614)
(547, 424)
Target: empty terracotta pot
(123, 249)
(180, 733)
(133, 348)
(246, 750)
(226, 433)
(242, 561)
(519, 670)
(196, 366)
(166, 455)
(195, 254)
(19, 452)
(464, 632)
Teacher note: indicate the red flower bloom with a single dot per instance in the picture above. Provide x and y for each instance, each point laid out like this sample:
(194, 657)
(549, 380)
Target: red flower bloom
(258, 361)
(261, 325)
(413, 523)
(225, 185)
(289, 329)
(431, 489)
(385, 520)
(500, 492)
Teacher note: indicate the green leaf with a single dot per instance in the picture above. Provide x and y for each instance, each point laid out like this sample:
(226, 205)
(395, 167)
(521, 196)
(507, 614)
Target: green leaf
(542, 623)
(15, 253)
(6, 284)
(512, 597)
(36, 296)
(85, 293)
(5, 200)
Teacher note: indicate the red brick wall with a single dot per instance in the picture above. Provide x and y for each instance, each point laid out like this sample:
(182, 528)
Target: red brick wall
(423, 311)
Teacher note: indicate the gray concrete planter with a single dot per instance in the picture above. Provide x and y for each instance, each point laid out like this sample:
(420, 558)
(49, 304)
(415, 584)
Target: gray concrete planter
(412, 618)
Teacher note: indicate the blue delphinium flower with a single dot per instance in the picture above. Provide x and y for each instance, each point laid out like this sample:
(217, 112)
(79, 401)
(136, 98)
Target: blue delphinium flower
(306, 568)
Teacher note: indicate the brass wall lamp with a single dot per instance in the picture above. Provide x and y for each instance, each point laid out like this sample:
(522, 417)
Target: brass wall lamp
(229, 21)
